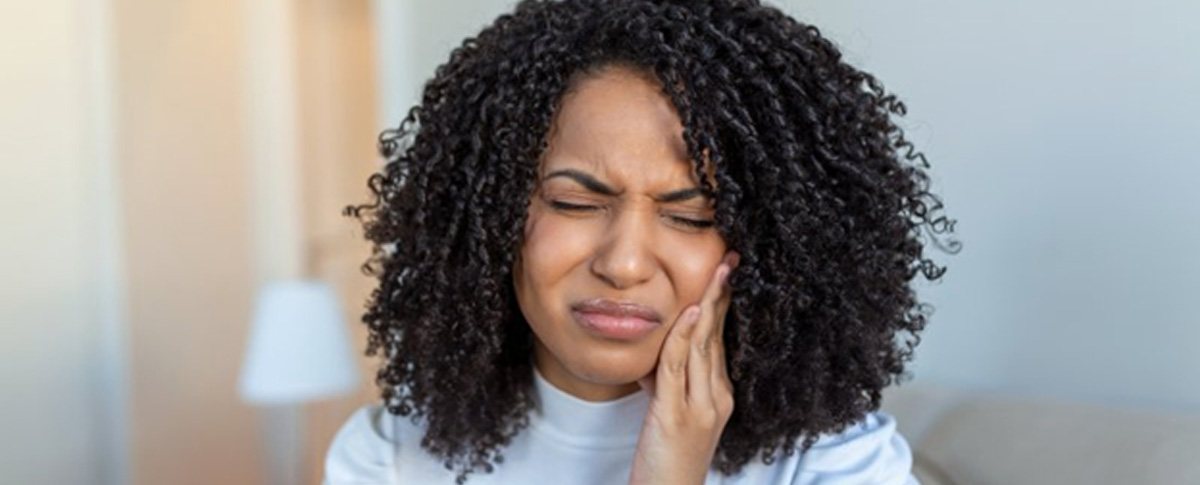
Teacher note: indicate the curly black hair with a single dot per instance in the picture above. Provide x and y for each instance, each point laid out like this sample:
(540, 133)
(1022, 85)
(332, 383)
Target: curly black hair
(820, 193)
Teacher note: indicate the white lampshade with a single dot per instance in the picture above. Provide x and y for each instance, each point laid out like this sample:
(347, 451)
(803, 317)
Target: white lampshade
(299, 349)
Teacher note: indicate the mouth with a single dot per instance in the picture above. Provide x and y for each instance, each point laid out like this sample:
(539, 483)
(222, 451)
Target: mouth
(616, 319)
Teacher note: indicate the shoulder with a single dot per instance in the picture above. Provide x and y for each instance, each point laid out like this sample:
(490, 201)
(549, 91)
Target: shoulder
(868, 451)
(364, 449)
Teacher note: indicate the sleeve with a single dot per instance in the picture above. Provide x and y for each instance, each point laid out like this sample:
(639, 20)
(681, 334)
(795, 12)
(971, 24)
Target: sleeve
(871, 451)
(363, 451)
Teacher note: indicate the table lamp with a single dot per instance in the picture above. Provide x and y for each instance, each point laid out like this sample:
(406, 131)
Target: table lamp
(298, 352)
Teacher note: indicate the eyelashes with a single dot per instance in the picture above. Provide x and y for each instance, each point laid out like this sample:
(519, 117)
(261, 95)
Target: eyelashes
(692, 223)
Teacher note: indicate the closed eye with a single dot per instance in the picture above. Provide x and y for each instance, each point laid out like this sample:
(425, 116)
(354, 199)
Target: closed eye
(571, 207)
(694, 223)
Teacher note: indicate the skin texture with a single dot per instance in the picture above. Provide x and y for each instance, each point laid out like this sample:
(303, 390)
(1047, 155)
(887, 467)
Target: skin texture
(619, 128)
(813, 184)
(691, 394)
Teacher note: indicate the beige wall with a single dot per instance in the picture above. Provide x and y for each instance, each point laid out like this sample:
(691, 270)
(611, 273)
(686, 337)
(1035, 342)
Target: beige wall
(339, 108)
(192, 281)
(182, 153)
(131, 237)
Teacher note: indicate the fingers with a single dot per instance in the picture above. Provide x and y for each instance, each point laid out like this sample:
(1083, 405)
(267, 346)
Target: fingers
(691, 368)
(720, 376)
(670, 380)
(708, 303)
(700, 355)
(714, 304)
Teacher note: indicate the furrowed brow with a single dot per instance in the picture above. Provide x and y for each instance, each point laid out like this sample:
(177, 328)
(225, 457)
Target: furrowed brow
(587, 181)
(591, 183)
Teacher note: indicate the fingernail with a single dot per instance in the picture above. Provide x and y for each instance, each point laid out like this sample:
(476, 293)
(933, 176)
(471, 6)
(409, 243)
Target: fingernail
(693, 315)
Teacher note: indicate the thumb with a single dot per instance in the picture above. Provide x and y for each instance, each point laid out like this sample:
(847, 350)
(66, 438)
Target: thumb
(647, 383)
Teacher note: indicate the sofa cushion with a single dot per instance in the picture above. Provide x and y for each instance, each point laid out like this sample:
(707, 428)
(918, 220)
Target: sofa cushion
(928, 472)
(994, 440)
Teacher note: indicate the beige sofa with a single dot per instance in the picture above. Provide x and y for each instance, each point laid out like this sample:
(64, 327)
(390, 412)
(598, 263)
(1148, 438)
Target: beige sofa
(970, 438)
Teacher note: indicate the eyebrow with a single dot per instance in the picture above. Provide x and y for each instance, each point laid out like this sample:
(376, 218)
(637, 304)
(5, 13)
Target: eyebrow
(591, 183)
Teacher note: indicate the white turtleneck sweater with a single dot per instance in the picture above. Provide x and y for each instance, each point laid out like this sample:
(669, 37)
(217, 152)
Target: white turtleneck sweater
(572, 441)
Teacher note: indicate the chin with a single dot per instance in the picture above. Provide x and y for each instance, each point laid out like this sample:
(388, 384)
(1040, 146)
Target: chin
(610, 367)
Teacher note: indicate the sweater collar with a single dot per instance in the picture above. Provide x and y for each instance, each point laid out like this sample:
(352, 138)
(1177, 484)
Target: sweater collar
(605, 424)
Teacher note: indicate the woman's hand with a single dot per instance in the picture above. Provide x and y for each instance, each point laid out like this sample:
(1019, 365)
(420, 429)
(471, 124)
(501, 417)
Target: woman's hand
(691, 394)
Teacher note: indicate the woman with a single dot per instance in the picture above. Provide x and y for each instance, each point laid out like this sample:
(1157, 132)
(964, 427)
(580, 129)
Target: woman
(642, 241)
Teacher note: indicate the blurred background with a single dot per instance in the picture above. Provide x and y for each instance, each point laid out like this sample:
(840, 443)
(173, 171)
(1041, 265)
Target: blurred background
(164, 161)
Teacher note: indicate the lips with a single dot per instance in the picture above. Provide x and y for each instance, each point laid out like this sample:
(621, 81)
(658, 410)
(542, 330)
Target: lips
(618, 309)
(616, 320)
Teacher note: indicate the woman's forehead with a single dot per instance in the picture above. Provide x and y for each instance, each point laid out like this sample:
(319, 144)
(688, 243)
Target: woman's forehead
(617, 110)
(617, 124)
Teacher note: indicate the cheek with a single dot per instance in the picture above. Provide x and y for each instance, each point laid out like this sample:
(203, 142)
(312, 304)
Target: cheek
(556, 246)
(695, 267)
(551, 246)
(551, 249)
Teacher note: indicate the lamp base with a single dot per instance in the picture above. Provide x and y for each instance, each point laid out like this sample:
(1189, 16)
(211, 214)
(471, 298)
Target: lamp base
(283, 437)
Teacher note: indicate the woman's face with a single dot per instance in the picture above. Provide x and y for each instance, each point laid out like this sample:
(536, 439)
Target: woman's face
(615, 152)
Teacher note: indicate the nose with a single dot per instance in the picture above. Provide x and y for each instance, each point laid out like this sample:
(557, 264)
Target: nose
(625, 258)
